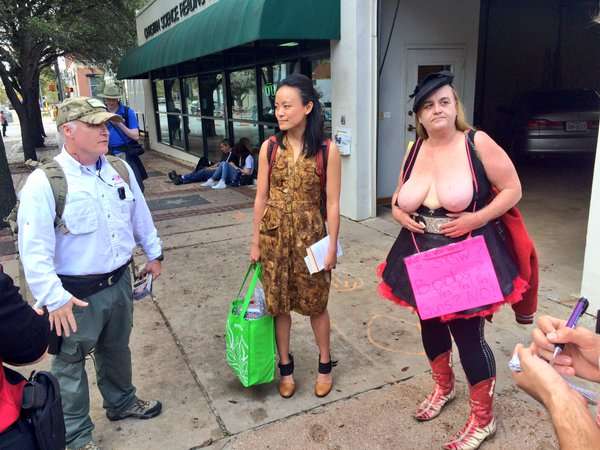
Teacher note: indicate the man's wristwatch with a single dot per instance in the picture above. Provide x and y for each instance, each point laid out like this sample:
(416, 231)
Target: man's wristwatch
(160, 258)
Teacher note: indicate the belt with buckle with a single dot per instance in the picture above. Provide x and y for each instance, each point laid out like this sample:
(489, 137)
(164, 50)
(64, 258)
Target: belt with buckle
(432, 224)
(82, 286)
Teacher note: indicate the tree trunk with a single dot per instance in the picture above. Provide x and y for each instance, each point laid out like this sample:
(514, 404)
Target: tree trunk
(8, 197)
(38, 112)
(30, 130)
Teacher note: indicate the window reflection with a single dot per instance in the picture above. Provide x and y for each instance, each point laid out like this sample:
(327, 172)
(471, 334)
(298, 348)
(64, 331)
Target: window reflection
(163, 129)
(159, 87)
(175, 130)
(243, 95)
(246, 130)
(271, 76)
(192, 95)
(321, 76)
(173, 95)
(193, 130)
(215, 131)
(212, 96)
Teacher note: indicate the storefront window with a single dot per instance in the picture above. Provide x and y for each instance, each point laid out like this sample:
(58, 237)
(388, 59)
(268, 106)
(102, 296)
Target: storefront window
(321, 76)
(269, 131)
(191, 94)
(242, 88)
(193, 130)
(173, 96)
(271, 76)
(175, 130)
(215, 132)
(246, 130)
(163, 132)
(159, 88)
(212, 96)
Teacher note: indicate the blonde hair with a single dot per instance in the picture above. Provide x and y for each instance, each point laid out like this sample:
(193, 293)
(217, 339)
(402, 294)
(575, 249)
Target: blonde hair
(460, 123)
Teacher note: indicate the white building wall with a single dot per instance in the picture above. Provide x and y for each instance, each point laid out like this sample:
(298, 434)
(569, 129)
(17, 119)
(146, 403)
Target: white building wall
(419, 24)
(354, 102)
(590, 286)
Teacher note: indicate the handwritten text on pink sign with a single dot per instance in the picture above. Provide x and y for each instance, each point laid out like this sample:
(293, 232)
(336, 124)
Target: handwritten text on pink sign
(453, 278)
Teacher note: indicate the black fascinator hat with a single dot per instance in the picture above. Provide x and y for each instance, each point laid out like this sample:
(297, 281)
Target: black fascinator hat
(428, 85)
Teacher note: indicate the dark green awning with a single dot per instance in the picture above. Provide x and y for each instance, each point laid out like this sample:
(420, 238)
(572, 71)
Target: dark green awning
(230, 23)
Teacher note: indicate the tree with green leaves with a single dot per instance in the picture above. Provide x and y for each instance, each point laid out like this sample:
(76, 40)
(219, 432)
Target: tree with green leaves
(34, 33)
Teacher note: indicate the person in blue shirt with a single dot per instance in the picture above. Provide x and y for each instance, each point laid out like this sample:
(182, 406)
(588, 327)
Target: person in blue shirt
(121, 134)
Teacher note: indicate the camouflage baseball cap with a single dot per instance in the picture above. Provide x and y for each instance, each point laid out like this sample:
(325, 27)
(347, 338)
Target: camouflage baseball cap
(85, 109)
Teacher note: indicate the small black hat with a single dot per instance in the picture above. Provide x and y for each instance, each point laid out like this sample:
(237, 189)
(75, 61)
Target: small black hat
(428, 85)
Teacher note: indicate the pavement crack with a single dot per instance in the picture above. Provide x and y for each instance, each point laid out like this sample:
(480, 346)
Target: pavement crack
(188, 363)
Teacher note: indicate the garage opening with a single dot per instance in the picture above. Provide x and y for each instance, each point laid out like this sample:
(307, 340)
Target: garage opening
(537, 94)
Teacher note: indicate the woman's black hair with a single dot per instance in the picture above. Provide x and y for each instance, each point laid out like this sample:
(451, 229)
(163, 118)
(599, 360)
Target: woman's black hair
(313, 135)
(241, 150)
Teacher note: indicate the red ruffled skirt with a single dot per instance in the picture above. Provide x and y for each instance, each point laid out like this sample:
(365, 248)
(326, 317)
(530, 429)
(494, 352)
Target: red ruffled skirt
(395, 284)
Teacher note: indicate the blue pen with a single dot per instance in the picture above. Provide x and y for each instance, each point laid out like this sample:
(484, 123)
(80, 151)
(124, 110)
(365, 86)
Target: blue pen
(578, 310)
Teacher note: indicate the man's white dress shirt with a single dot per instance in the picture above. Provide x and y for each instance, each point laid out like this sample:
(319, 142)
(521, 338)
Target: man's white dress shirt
(100, 230)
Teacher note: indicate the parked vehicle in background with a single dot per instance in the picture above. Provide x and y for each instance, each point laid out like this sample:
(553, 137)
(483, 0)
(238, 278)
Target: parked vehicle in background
(555, 122)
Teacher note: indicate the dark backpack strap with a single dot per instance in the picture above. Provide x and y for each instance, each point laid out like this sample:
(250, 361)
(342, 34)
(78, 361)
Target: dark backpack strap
(410, 160)
(471, 137)
(126, 115)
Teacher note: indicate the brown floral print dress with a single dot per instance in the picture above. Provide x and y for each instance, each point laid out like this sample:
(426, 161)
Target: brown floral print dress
(292, 222)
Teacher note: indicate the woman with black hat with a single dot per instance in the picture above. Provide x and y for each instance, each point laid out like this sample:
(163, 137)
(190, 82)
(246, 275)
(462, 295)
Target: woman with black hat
(444, 194)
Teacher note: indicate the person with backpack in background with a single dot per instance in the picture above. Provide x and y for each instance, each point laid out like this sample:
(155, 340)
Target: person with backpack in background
(124, 136)
(24, 337)
(298, 194)
(76, 247)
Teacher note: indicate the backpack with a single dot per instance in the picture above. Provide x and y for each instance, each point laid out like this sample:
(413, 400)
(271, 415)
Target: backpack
(322, 158)
(58, 184)
(42, 407)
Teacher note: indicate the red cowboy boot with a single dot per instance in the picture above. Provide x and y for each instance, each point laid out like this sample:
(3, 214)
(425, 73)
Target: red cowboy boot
(481, 423)
(443, 392)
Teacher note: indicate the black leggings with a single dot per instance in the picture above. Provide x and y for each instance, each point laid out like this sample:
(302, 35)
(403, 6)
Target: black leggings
(475, 354)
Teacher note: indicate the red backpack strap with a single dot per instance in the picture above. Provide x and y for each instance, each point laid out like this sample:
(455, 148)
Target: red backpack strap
(272, 148)
(322, 157)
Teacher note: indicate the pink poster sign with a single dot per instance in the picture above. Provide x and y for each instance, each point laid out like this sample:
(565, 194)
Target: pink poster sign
(453, 278)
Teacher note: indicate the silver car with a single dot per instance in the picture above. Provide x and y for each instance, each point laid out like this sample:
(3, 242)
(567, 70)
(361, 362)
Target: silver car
(555, 122)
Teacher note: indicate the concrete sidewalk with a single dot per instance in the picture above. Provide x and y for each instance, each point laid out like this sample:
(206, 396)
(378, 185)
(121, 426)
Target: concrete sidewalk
(178, 341)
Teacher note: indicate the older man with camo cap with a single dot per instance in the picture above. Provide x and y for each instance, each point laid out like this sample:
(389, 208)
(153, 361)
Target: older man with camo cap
(77, 265)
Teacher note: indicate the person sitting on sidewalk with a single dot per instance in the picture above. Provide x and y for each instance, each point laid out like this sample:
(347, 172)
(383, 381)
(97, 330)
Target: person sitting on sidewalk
(228, 173)
(204, 174)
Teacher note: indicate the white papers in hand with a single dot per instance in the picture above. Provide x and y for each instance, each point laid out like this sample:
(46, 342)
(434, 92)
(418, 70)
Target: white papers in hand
(315, 255)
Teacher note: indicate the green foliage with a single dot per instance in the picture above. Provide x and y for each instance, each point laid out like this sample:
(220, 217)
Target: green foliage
(33, 33)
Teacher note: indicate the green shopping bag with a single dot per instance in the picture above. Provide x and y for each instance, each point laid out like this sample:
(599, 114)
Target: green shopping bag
(250, 342)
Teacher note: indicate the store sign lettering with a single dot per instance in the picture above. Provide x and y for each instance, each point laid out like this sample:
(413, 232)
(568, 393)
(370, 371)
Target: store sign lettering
(172, 16)
(269, 89)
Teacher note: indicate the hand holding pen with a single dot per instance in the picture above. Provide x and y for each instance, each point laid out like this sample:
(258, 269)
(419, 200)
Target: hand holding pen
(581, 353)
(578, 311)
